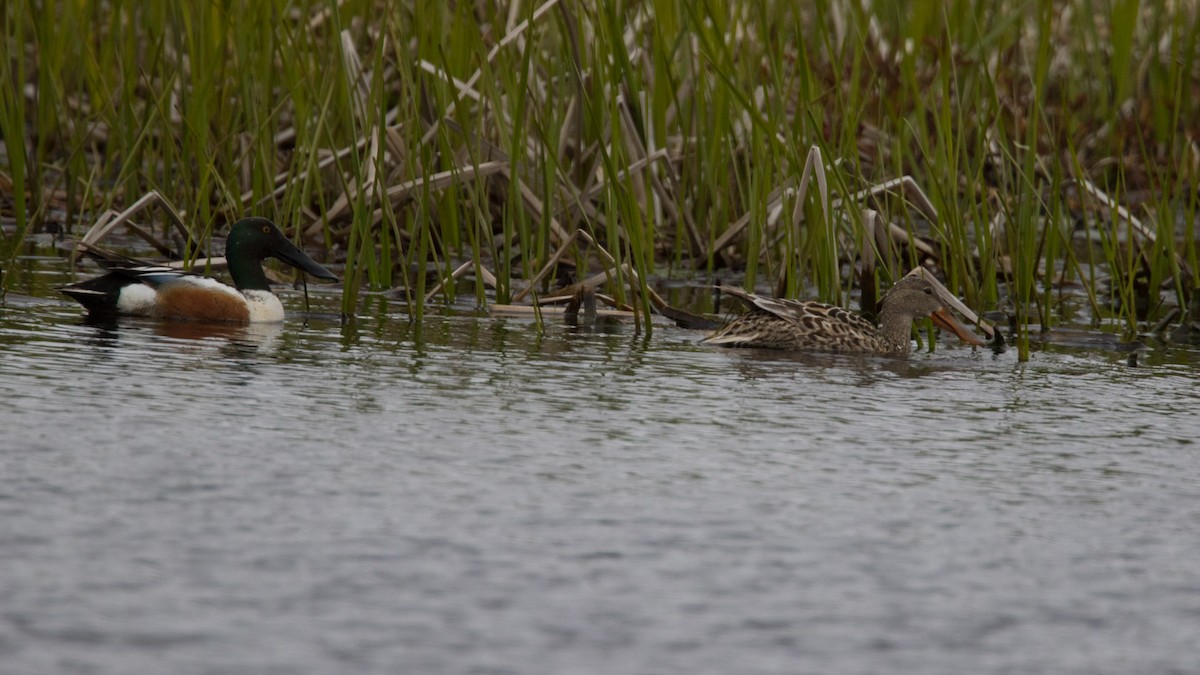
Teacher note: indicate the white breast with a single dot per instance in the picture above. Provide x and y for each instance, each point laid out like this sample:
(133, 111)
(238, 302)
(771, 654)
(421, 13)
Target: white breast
(264, 306)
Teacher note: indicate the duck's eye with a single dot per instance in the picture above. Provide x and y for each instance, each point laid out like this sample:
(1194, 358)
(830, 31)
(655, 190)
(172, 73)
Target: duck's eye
(928, 291)
(266, 229)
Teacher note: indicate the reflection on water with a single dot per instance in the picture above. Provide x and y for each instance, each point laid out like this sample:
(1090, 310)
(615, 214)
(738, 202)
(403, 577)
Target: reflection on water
(479, 495)
(233, 339)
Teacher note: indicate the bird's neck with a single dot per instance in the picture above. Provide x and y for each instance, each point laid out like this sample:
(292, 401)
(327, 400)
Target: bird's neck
(247, 272)
(895, 328)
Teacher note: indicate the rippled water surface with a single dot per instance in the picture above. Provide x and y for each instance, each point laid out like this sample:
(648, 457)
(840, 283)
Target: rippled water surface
(481, 496)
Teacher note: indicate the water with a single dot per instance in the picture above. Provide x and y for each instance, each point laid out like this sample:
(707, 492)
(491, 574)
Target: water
(479, 496)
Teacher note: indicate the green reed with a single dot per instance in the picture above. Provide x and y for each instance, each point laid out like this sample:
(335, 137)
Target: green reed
(655, 127)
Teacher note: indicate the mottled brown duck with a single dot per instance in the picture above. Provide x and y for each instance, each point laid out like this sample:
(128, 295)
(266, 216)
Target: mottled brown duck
(814, 326)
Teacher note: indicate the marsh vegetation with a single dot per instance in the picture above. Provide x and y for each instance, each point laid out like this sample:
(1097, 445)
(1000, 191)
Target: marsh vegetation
(1040, 157)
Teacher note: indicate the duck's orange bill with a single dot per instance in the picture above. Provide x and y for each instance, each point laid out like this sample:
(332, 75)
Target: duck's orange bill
(945, 320)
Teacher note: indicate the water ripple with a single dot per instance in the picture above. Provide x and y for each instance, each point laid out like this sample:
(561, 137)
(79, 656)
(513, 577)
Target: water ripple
(487, 496)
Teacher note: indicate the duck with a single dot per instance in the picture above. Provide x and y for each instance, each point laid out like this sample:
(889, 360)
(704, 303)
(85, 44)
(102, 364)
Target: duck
(797, 325)
(137, 288)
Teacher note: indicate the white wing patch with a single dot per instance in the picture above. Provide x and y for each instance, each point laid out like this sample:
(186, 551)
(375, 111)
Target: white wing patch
(137, 299)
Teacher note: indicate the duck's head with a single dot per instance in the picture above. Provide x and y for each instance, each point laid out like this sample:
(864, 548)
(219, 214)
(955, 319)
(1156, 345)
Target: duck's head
(252, 240)
(919, 294)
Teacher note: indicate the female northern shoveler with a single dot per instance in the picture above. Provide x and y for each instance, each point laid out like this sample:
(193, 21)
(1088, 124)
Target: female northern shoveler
(815, 326)
(137, 288)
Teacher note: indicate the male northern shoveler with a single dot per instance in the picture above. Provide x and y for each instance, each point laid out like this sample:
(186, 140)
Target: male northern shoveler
(138, 288)
(815, 326)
